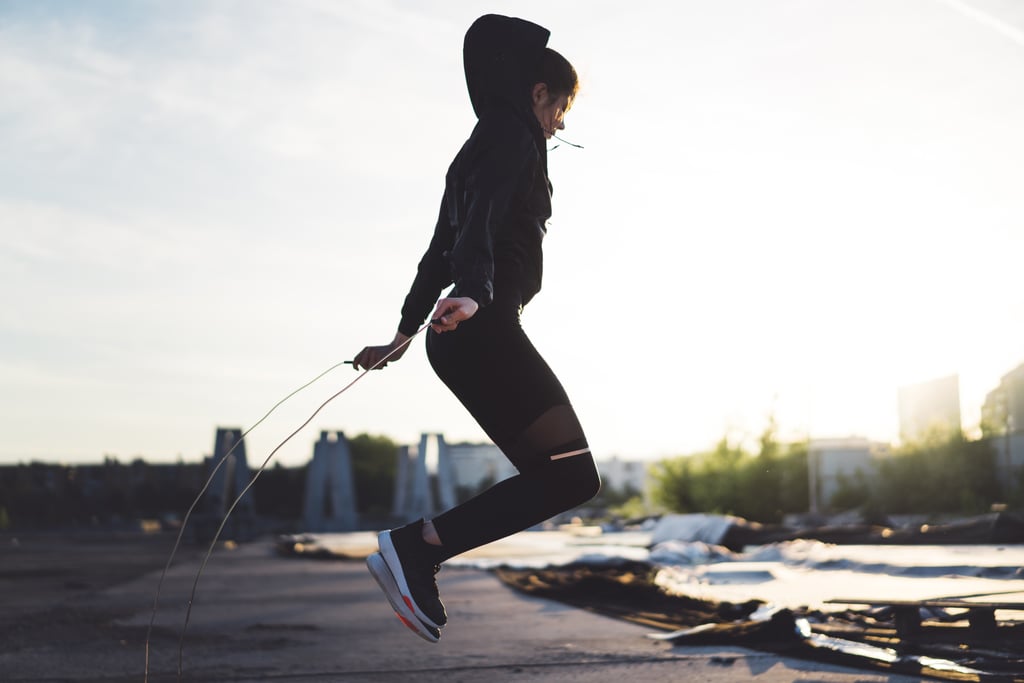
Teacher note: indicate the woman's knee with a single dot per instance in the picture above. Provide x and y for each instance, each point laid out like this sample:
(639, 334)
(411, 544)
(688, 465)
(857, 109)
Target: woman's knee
(580, 481)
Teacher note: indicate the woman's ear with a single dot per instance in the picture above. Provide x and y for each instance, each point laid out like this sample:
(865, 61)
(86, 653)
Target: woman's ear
(539, 95)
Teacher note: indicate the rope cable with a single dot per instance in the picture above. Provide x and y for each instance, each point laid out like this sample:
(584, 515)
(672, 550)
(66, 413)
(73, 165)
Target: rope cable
(238, 498)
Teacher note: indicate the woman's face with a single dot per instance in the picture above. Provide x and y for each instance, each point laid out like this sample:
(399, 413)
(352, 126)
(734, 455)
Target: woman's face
(549, 110)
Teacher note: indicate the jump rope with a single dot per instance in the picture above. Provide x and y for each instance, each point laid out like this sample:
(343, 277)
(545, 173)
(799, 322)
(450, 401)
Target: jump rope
(255, 476)
(238, 498)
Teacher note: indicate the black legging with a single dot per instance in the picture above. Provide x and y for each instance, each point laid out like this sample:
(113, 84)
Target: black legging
(492, 367)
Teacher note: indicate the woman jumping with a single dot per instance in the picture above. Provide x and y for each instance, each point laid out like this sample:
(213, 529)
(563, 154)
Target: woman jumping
(487, 243)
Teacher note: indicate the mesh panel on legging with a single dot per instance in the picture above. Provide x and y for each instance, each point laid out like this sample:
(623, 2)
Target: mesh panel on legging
(543, 488)
(554, 433)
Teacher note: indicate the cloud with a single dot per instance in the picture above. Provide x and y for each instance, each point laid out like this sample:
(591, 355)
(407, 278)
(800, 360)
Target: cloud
(268, 80)
(997, 24)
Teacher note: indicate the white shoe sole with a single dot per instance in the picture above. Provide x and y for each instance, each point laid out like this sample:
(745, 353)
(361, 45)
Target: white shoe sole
(390, 555)
(386, 580)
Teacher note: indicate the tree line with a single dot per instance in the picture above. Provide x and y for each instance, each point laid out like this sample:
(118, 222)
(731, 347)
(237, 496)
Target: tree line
(942, 473)
(41, 495)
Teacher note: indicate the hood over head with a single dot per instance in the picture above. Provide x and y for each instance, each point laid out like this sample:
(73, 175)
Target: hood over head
(501, 55)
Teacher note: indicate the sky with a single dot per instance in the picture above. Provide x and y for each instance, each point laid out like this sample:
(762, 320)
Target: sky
(782, 208)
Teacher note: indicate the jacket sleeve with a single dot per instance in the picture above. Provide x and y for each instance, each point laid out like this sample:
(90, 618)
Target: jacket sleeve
(490, 183)
(432, 275)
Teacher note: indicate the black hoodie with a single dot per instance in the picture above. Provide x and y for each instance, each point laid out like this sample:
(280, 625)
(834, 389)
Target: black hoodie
(497, 196)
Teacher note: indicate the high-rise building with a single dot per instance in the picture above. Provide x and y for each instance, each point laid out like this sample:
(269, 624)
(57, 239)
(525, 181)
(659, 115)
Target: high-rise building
(1002, 423)
(928, 407)
(1003, 410)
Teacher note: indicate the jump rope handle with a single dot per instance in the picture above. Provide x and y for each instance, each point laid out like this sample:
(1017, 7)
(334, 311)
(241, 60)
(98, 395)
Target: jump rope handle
(435, 321)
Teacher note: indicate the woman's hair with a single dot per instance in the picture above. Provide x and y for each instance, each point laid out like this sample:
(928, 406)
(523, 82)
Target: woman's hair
(557, 73)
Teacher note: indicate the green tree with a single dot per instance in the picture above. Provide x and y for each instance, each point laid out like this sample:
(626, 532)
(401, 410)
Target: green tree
(704, 482)
(718, 479)
(852, 491)
(760, 481)
(670, 484)
(374, 467)
(279, 492)
(793, 485)
(729, 480)
(942, 473)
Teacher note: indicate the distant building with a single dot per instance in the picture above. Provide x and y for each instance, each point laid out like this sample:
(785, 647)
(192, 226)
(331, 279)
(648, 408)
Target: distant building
(1003, 410)
(111, 494)
(830, 462)
(329, 502)
(624, 475)
(1002, 423)
(225, 508)
(230, 474)
(424, 479)
(928, 407)
(478, 465)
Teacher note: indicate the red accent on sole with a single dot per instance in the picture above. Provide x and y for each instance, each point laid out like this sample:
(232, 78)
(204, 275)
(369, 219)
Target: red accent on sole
(405, 621)
(408, 603)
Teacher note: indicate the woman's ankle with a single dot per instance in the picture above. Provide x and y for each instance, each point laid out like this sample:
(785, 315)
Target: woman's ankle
(430, 533)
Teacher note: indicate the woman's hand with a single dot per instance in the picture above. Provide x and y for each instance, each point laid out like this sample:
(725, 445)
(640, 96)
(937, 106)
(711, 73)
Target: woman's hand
(452, 311)
(371, 355)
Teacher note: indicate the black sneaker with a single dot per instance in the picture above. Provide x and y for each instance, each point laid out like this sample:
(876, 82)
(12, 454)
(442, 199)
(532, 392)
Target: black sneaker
(413, 566)
(386, 580)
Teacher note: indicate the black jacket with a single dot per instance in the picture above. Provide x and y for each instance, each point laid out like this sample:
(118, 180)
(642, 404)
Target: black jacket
(497, 196)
